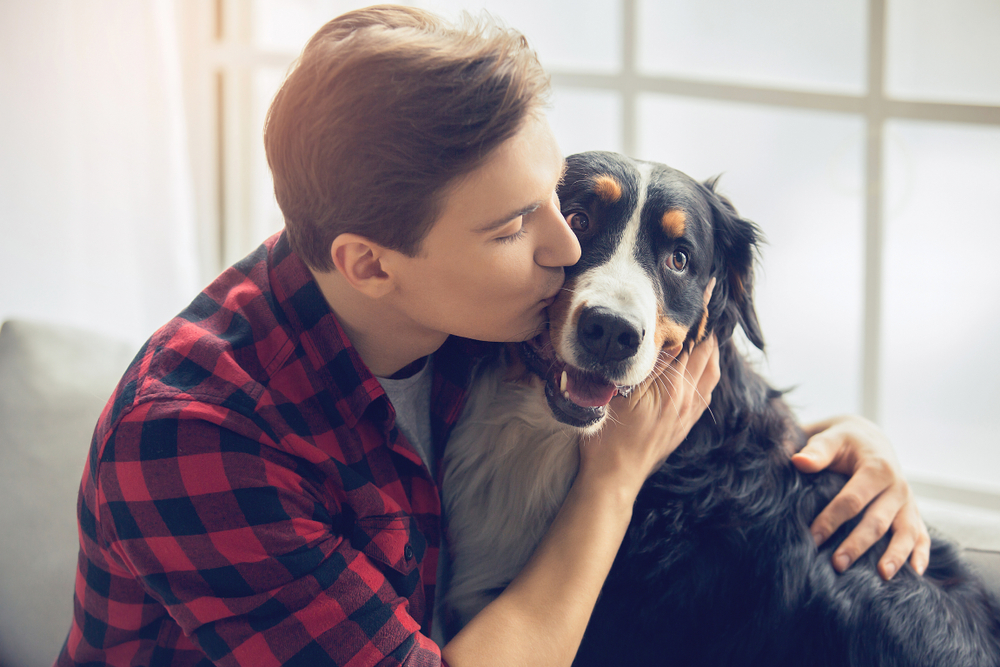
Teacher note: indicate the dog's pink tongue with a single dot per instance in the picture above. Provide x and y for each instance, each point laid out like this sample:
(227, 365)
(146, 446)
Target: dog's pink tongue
(587, 393)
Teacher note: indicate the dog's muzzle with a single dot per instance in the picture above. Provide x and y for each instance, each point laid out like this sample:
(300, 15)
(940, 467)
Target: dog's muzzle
(576, 397)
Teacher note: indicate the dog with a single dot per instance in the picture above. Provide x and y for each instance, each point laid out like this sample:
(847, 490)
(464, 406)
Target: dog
(718, 566)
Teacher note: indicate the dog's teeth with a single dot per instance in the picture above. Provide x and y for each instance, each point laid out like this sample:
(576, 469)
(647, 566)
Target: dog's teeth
(566, 395)
(562, 382)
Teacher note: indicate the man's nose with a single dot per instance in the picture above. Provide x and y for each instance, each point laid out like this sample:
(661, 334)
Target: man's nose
(558, 245)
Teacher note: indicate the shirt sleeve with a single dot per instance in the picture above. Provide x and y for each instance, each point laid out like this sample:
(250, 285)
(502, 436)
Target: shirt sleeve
(248, 548)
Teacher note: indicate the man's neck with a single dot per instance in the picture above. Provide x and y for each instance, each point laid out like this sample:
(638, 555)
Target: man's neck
(386, 340)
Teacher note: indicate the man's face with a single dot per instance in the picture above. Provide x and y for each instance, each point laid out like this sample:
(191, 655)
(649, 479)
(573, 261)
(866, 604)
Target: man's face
(493, 261)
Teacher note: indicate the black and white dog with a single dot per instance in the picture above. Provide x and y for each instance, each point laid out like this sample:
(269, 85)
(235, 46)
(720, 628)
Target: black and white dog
(718, 566)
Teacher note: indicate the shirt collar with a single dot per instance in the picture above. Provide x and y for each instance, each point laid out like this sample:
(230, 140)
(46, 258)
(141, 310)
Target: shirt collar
(338, 363)
(315, 326)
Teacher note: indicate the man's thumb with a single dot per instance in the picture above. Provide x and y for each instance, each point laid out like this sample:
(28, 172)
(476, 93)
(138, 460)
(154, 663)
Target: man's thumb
(816, 455)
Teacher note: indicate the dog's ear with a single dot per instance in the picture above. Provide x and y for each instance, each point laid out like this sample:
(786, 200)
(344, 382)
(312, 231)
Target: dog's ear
(733, 263)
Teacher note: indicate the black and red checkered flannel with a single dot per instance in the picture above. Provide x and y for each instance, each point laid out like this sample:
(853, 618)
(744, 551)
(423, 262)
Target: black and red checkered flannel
(248, 499)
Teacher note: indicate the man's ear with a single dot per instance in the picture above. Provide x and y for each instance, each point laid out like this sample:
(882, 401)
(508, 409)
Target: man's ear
(359, 261)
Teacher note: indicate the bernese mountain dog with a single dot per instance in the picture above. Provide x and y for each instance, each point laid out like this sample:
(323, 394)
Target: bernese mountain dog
(718, 566)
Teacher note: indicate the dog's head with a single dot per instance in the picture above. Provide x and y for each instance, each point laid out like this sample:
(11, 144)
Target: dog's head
(652, 240)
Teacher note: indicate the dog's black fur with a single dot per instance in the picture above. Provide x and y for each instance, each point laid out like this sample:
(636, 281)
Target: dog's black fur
(718, 566)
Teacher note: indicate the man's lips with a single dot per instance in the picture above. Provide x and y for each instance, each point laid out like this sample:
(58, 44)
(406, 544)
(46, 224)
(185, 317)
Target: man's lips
(548, 301)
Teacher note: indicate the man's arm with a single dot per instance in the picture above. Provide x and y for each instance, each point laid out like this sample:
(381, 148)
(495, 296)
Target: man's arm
(241, 546)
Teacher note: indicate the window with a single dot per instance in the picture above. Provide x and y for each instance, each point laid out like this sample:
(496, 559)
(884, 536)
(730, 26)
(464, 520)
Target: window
(863, 136)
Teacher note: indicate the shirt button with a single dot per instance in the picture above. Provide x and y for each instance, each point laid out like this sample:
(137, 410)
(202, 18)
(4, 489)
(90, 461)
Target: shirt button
(408, 552)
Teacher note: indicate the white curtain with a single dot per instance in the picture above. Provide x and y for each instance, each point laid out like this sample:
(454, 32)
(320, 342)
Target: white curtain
(97, 216)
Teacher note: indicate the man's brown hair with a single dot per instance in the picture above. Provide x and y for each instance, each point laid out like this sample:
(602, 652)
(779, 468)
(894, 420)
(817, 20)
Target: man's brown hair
(386, 108)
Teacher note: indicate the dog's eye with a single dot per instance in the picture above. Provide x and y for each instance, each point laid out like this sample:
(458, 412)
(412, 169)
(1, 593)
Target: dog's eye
(578, 222)
(678, 260)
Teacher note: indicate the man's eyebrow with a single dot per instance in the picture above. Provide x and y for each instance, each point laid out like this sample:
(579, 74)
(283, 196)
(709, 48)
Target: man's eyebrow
(500, 222)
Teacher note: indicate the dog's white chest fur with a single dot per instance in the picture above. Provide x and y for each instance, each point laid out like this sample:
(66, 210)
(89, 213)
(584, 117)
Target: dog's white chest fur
(507, 469)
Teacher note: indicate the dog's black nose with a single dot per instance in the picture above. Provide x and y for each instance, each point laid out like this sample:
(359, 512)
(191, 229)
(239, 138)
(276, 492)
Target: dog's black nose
(607, 335)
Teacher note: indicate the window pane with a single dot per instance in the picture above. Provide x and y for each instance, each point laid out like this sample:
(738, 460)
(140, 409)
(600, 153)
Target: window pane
(944, 50)
(286, 25)
(940, 358)
(265, 216)
(588, 38)
(799, 176)
(805, 44)
(586, 119)
(583, 36)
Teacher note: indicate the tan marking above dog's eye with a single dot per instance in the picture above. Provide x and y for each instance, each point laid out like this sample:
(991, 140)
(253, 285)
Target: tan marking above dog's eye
(674, 223)
(607, 188)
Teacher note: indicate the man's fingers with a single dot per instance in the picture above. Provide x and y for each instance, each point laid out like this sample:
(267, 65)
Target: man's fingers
(708, 291)
(848, 503)
(667, 370)
(819, 452)
(875, 523)
(701, 356)
(921, 555)
(699, 371)
(910, 540)
(710, 372)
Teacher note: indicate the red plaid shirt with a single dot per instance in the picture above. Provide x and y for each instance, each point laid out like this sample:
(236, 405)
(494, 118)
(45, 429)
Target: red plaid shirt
(248, 499)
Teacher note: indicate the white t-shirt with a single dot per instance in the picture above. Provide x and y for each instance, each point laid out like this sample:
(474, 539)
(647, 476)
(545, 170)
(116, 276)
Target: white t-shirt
(411, 398)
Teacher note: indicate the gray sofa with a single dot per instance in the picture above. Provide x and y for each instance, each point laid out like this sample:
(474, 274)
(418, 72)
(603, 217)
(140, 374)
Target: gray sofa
(54, 382)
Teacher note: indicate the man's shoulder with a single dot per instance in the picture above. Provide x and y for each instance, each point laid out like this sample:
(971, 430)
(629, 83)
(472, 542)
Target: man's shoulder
(222, 349)
(230, 338)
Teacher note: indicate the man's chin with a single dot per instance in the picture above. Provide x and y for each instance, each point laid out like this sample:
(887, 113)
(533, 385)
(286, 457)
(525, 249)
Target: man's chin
(530, 331)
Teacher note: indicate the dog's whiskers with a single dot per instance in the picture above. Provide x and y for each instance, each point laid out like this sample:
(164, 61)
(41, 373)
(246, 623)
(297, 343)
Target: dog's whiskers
(683, 376)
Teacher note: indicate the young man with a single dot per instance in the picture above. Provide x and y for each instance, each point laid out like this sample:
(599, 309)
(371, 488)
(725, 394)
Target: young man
(252, 495)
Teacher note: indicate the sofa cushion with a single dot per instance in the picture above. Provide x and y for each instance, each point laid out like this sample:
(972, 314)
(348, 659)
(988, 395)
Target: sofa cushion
(54, 382)
(975, 526)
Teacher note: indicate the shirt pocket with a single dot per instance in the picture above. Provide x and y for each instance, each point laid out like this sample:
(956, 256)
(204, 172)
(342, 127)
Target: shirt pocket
(397, 548)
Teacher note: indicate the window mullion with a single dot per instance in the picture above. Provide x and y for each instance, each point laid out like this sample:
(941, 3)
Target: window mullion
(629, 78)
(874, 228)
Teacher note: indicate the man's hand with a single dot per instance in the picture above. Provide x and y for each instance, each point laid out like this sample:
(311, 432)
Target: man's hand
(854, 446)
